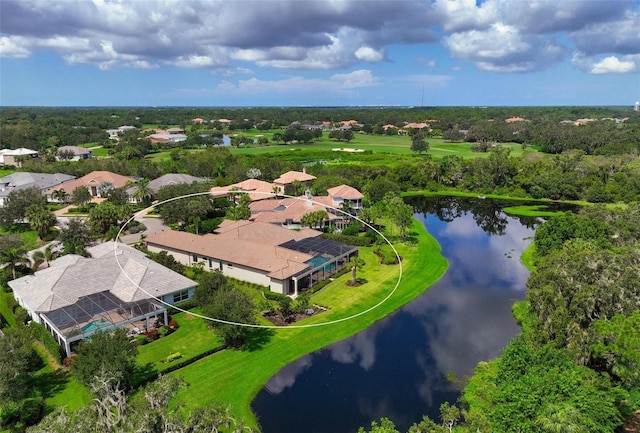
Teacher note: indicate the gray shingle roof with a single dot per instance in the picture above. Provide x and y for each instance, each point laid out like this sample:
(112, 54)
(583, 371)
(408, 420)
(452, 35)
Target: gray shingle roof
(72, 277)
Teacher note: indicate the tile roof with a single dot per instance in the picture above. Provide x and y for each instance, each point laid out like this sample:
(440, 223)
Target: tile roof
(257, 189)
(173, 179)
(96, 178)
(345, 192)
(278, 211)
(72, 277)
(254, 245)
(290, 176)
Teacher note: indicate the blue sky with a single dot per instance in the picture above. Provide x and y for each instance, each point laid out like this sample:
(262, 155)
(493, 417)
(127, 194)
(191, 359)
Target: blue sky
(318, 53)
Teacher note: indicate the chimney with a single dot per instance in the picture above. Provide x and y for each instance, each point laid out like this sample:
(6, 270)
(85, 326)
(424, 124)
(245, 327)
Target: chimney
(304, 170)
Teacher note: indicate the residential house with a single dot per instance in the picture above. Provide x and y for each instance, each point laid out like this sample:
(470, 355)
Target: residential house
(79, 153)
(286, 261)
(114, 134)
(290, 177)
(95, 183)
(257, 189)
(16, 156)
(169, 179)
(167, 136)
(342, 194)
(23, 180)
(117, 286)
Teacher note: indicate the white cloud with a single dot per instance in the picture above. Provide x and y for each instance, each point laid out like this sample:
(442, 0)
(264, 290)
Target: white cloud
(360, 78)
(611, 64)
(369, 54)
(12, 46)
(607, 65)
(462, 15)
(496, 35)
(502, 48)
(197, 61)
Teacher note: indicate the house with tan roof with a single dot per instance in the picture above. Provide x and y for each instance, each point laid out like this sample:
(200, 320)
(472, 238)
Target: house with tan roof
(515, 119)
(292, 176)
(93, 182)
(286, 261)
(117, 286)
(257, 189)
(342, 194)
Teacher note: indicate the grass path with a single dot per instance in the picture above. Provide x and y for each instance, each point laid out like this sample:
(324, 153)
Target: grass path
(233, 377)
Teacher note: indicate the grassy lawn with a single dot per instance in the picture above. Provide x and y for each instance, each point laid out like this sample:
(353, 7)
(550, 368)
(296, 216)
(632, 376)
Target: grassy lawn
(58, 387)
(192, 338)
(528, 257)
(378, 144)
(101, 152)
(6, 172)
(6, 301)
(29, 237)
(234, 377)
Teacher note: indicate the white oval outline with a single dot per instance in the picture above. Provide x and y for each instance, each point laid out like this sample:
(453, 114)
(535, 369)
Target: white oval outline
(226, 322)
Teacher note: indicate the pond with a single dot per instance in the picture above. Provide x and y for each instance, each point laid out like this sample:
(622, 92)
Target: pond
(405, 365)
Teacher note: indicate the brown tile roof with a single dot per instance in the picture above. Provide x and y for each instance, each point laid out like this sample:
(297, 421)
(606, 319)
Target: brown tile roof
(254, 245)
(257, 189)
(345, 192)
(290, 176)
(278, 211)
(94, 178)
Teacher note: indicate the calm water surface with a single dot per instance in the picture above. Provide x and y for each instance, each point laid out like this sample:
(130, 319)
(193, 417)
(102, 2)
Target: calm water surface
(398, 367)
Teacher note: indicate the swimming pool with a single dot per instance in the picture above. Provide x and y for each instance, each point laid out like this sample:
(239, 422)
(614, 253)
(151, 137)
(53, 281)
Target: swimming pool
(95, 325)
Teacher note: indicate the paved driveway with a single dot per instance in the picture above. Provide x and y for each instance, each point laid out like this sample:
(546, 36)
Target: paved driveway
(154, 225)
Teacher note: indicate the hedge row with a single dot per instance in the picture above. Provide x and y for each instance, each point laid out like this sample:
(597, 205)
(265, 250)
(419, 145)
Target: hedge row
(357, 241)
(173, 367)
(41, 334)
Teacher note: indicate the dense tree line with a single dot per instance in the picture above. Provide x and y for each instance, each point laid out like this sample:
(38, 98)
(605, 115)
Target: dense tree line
(41, 128)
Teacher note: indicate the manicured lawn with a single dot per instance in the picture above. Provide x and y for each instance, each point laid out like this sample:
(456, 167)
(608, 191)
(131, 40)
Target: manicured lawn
(234, 377)
(101, 152)
(6, 300)
(6, 172)
(192, 338)
(29, 237)
(58, 387)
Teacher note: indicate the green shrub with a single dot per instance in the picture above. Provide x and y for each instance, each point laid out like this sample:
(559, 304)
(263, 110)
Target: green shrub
(359, 241)
(142, 340)
(9, 413)
(41, 334)
(272, 296)
(31, 410)
(184, 305)
(174, 356)
(22, 315)
(163, 331)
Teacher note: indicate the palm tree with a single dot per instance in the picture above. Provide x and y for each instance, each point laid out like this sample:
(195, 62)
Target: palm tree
(12, 258)
(37, 258)
(275, 191)
(60, 195)
(142, 191)
(356, 263)
(48, 254)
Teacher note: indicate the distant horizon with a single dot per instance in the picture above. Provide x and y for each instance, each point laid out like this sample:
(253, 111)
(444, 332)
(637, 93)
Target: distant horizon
(631, 106)
(319, 53)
